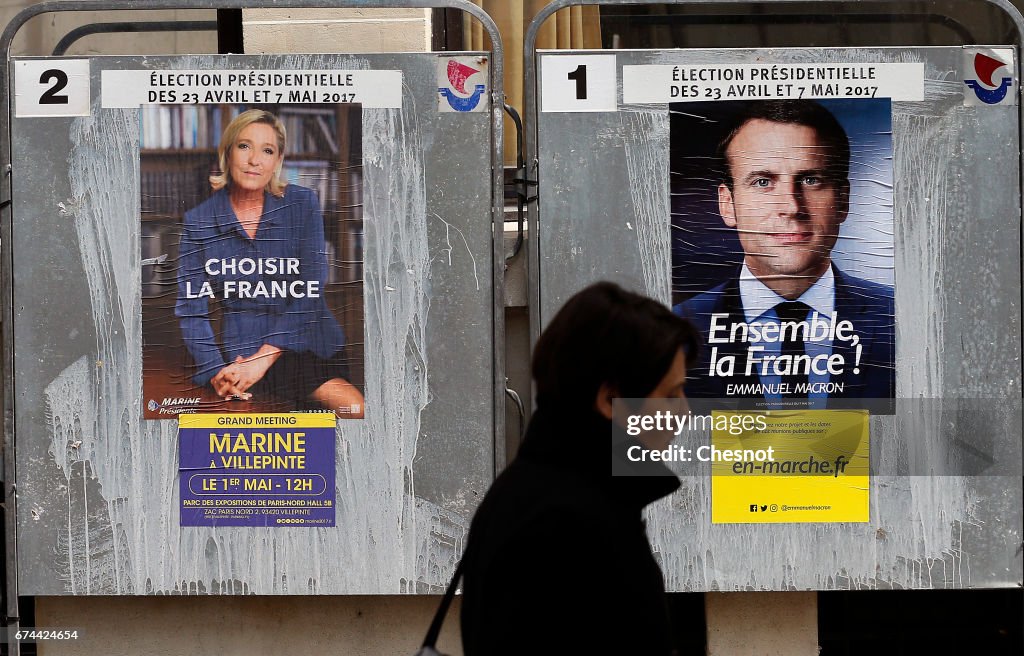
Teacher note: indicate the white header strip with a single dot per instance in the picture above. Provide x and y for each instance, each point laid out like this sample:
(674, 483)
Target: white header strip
(126, 89)
(658, 84)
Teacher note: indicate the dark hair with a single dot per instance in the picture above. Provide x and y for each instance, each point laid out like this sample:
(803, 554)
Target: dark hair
(795, 112)
(605, 334)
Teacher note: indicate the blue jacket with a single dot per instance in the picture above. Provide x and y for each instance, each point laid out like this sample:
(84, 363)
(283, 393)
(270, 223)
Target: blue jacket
(291, 227)
(869, 305)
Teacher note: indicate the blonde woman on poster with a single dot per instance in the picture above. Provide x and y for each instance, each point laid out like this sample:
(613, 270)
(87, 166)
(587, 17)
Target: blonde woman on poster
(256, 246)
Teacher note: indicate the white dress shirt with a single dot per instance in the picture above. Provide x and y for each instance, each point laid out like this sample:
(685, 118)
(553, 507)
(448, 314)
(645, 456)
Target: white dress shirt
(759, 305)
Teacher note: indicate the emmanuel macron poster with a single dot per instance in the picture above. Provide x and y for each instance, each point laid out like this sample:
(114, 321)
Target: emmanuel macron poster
(782, 249)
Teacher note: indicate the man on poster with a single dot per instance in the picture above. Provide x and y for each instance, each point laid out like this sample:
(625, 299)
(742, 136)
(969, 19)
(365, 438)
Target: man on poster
(790, 325)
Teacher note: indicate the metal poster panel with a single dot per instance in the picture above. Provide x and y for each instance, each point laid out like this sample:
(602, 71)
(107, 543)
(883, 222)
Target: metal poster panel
(864, 264)
(251, 237)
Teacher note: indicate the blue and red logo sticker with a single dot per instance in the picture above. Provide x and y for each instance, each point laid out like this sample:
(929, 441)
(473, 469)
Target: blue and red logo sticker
(462, 84)
(989, 74)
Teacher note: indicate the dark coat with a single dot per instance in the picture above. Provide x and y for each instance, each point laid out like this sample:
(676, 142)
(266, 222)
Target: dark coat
(557, 560)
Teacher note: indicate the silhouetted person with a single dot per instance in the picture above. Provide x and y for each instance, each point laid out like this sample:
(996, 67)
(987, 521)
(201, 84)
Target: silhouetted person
(557, 560)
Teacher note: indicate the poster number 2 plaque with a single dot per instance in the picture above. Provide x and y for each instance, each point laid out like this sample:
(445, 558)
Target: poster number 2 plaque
(51, 87)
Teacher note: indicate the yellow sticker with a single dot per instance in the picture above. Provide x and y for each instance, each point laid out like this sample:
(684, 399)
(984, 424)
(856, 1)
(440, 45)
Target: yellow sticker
(262, 420)
(817, 470)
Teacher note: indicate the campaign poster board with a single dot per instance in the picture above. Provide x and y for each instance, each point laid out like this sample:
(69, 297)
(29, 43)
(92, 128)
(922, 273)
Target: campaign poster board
(936, 178)
(94, 212)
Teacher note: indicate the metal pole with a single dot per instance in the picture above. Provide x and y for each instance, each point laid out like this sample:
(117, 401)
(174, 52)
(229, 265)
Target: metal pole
(130, 28)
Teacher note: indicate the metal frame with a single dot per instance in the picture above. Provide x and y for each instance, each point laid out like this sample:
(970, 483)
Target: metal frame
(955, 26)
(497, 98)
(130, 28)
(530, 114)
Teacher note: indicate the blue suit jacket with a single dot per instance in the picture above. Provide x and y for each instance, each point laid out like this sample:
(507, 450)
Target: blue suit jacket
(867, 304)
(291, 227)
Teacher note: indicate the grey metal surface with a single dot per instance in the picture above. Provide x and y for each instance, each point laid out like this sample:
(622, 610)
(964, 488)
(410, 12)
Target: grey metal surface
(100, 516)
(604, 214)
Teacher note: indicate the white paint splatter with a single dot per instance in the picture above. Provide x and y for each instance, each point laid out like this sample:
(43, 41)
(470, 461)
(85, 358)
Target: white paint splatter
(448, 227)
(647, 164)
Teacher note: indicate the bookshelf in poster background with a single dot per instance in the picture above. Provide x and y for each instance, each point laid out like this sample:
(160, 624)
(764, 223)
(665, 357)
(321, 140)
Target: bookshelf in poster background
(179, 153)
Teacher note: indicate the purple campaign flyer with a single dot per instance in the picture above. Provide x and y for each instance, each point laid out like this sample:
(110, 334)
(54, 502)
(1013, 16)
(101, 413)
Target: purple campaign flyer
(257, 469)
